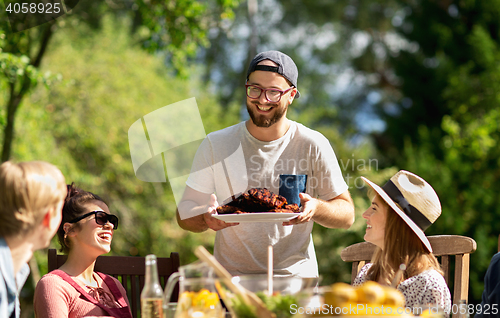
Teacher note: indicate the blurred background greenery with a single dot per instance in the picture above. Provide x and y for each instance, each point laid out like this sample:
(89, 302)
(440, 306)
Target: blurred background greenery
(393, 84)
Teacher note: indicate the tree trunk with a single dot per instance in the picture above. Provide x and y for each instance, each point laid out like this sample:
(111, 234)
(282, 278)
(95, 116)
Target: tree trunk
(253, 8)
(16, 98)
(253, 42)
(8, 132)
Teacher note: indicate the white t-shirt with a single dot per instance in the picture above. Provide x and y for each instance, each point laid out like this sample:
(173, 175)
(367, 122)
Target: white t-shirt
(251, 163)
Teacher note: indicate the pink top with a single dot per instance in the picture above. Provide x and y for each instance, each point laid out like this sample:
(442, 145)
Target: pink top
(57, 295)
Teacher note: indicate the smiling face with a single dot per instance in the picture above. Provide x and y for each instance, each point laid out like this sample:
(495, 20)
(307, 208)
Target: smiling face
(262, 112)
(90, 236)
(376, 217)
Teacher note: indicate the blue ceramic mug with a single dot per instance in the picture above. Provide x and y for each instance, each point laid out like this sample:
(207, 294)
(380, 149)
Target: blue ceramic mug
(291, 185)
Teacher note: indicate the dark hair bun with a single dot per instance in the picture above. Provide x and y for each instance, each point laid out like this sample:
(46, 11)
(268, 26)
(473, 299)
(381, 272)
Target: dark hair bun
(72, 191)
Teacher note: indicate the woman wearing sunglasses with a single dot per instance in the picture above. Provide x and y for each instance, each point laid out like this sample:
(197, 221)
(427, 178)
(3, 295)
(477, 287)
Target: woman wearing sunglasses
(75, 290)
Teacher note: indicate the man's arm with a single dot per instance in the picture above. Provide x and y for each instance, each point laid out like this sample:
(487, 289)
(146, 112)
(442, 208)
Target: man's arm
(202, 206)
(335, 213)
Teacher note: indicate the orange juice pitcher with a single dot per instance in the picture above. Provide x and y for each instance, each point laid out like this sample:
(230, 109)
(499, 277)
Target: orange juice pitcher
(197, 294)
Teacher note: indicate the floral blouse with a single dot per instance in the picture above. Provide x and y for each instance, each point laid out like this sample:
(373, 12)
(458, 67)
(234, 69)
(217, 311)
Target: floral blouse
(428, 287)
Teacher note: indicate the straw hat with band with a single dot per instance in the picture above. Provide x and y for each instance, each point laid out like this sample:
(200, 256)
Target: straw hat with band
(413, 199)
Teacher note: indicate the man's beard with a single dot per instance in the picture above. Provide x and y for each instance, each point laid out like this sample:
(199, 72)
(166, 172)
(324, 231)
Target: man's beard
(260, 120)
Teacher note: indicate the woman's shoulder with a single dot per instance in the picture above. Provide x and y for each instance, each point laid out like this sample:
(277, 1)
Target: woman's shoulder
(428, 287)
(429, 278)
(51, 278)
(52, 283)
(432, 274)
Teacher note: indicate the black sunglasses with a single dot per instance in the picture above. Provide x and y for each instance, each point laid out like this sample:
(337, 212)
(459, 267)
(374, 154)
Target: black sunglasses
(101, 218)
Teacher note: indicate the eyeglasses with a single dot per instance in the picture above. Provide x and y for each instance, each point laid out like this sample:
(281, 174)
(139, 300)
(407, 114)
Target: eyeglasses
(101, 218)
(272, 95)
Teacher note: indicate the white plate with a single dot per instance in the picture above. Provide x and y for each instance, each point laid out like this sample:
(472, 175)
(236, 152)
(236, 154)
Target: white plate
(257, 217)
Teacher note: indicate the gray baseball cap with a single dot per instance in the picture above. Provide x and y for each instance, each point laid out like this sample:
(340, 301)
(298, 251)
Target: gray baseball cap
(286, 66)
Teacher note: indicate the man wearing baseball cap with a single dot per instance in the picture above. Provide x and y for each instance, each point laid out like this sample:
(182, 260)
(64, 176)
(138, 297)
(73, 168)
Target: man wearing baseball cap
(260, 153)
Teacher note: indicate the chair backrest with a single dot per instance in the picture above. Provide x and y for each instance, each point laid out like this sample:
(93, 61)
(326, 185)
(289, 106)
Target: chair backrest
(129, 270)
(444, 246)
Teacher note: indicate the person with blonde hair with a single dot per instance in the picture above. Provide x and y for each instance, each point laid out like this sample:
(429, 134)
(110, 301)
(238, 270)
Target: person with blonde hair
(31, 198)
(399, 214)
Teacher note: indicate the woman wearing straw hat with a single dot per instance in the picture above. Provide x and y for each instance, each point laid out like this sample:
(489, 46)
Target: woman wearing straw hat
(400, 212)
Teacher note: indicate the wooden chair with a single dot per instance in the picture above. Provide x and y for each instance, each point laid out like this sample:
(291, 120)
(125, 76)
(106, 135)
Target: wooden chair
(444, 246)
(129, 270)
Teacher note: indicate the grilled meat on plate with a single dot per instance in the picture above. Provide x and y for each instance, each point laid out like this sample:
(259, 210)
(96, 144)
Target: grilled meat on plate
(258, 200)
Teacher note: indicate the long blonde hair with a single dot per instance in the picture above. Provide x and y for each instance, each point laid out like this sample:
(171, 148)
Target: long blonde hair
(27, 191)
(401, 245)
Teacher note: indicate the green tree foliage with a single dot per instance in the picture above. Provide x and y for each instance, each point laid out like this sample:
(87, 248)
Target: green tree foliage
(21, 56)
(180, 27)
(470, 143)
(173, 27)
